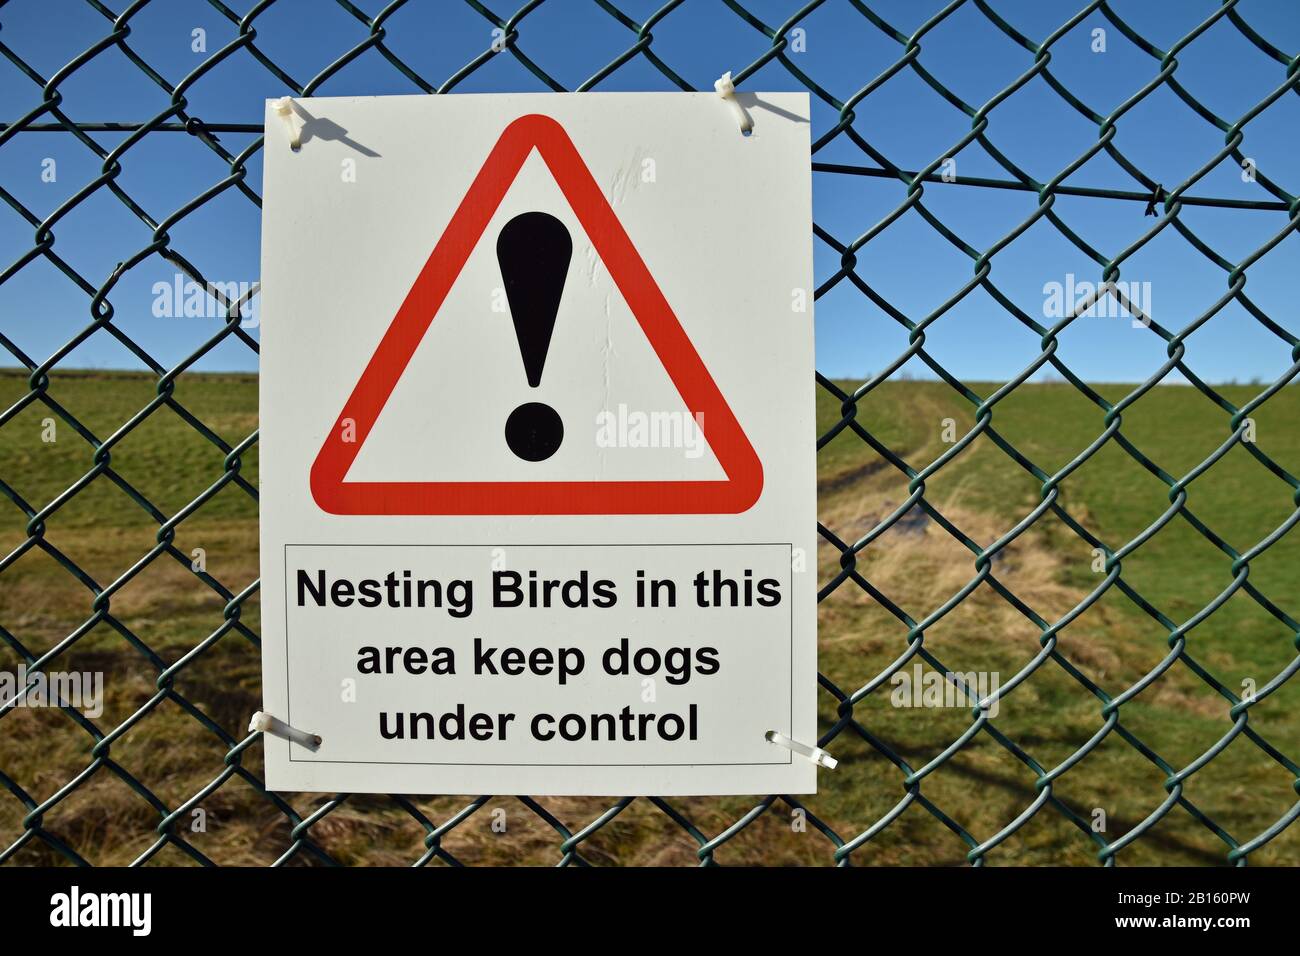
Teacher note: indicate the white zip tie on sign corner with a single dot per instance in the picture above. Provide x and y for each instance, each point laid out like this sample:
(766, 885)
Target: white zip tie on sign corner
(726, 89)
(815, 754)
(284, 109)
(267, 724)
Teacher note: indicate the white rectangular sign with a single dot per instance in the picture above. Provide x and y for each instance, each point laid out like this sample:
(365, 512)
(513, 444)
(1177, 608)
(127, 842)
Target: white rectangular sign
(537, 464)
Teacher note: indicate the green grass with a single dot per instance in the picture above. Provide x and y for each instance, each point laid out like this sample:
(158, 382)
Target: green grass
(1115, 642)
(917, 565)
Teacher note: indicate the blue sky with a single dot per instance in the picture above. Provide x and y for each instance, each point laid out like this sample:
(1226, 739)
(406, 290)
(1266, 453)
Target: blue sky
(909, 264)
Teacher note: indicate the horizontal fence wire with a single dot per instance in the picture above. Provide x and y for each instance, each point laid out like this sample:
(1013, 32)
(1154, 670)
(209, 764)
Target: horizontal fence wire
(304, 835)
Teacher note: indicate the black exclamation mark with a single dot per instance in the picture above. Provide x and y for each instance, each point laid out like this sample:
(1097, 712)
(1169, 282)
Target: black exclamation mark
(533, 250)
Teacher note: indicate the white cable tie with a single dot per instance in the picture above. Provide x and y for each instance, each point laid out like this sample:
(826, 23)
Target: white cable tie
(276, 727)
(727, 90)
(815, 754)
(284, 109)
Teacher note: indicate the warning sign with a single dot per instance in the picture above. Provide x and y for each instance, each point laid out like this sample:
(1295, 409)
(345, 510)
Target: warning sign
(537, 474)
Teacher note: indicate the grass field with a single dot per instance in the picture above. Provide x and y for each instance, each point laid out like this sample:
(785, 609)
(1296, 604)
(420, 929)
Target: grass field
(917, 564)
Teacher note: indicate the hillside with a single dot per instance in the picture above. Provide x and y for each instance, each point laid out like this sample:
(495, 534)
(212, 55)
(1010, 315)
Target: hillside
(163, 613)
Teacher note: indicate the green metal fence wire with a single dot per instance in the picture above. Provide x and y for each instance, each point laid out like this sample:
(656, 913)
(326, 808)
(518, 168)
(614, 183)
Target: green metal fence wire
(47, 115)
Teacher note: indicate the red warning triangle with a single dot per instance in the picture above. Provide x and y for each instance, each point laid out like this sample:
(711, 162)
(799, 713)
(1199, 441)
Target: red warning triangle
(735, 494)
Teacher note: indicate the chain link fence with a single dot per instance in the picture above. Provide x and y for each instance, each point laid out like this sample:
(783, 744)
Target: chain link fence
(56, 793)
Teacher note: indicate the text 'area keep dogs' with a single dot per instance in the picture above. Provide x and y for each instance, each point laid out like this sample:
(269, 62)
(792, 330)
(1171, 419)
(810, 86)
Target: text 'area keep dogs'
(537, 477)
